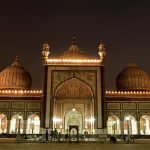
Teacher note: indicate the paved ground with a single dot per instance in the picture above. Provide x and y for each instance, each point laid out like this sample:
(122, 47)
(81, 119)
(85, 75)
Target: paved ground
(73, 146)
(10, 144)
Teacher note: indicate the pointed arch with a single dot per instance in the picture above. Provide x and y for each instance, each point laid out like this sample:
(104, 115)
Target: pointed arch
(3, 123)
(113, 125)
(33, 124)
(130, 125)
(73, 117)
(73, 88)
(14, 124)
(70, 93)
(145, 124)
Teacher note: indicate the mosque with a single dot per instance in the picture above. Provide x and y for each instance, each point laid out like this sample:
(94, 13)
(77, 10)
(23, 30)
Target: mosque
(74, 95)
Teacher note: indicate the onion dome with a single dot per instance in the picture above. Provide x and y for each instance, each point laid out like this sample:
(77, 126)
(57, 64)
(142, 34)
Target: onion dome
(132, 78)
(15, 77)
(74, 52)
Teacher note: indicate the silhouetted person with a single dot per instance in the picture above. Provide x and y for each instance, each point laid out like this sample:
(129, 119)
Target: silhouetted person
(55, 133)
(52, 134)
(112, 139)
(59, 136)
(46, 134)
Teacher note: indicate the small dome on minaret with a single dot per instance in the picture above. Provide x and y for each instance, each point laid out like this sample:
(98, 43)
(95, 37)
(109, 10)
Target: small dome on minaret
(45, 51)
(102, 52)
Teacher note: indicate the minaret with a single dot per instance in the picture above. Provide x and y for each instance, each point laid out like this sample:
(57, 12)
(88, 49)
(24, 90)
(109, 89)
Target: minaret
(102, 52)
(45, 54)
(45, 51)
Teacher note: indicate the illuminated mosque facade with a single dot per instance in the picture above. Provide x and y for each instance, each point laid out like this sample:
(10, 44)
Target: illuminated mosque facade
(73, 94)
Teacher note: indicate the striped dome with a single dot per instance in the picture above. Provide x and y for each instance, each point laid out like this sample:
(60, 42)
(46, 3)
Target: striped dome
(15, 77)
(133, 78)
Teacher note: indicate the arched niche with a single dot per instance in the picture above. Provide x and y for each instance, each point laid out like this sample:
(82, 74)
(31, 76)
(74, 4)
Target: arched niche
(33, 124)
(3, 123)
(14, 124)
(130, 125)
(113, 125)
(145, 125)
(73, 92)
(73, 117)
(73, 88)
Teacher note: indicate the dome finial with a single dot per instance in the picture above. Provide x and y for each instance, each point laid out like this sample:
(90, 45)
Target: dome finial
(74, 41)
(16, 58)
(16, 62)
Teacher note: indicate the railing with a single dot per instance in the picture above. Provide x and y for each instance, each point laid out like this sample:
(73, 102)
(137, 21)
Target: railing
(64, 138)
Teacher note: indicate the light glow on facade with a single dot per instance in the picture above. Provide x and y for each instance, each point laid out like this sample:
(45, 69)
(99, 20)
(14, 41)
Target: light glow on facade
(20, 92)
(57, 120)
(90, 119)
(126, 93)
(76, 61)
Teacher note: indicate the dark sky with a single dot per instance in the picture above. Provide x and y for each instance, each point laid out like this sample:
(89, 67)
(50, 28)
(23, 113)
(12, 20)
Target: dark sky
(123, 25)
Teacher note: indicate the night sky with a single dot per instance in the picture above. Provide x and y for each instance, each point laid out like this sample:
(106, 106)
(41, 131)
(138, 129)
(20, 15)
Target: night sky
(123, 25)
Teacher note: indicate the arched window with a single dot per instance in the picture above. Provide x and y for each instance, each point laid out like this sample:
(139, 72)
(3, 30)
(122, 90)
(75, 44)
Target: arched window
(145, 124)
(3, 123)
(130, 125)
(14, 124)
(33, 124)
(113, 125)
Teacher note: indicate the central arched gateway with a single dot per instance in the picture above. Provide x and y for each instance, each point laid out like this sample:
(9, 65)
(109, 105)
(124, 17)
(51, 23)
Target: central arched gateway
(73, 80)
(73, 105)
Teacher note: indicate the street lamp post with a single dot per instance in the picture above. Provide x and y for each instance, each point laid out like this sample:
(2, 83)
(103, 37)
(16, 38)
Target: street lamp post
(144, 128)
(91, 122)
(32, 122)
(18, 134)
(127, 118)
(128, 129)
(114, 127)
